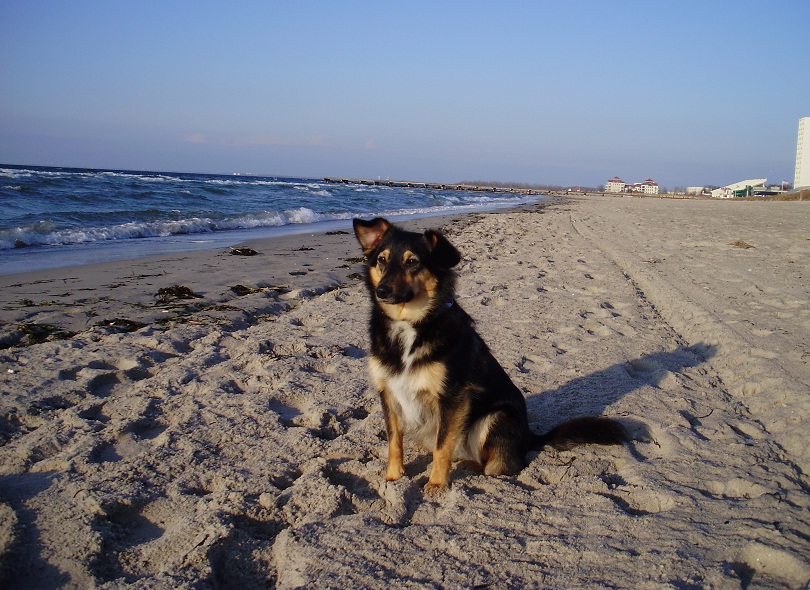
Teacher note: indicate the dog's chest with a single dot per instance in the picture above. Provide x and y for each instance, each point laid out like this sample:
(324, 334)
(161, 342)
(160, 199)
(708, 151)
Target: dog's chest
(414, 387)
(405, 335)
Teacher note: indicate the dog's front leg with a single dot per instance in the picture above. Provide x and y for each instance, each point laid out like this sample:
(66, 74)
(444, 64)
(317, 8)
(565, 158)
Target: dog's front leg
(393, 431)
(452, 419)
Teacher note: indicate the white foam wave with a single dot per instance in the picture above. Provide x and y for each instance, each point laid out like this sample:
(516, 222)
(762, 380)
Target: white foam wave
(146, 177)
(45, 233)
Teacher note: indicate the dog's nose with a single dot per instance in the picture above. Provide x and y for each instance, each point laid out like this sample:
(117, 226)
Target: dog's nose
(383, 291)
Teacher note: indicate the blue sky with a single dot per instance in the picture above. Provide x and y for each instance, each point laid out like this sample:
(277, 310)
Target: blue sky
(542, 92)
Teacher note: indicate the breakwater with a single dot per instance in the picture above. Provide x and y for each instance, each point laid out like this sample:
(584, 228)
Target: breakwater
(437, 186)
(559, 192)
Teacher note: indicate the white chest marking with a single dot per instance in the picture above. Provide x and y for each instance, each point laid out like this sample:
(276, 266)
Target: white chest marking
(406, 334)
(414, 389)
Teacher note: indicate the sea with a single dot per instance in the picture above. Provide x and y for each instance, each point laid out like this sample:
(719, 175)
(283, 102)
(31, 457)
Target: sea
(56, 217)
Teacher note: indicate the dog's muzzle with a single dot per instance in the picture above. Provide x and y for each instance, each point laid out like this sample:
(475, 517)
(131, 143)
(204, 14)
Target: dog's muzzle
(387, 294)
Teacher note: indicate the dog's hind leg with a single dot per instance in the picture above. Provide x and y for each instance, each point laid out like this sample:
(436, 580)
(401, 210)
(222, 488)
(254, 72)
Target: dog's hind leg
(502, 453)
(502, 463)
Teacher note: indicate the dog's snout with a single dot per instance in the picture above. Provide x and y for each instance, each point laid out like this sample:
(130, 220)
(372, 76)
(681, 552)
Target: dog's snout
(392, 293)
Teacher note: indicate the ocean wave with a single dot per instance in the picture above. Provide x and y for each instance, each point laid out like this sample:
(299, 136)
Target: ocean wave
(83, 205)
(15, 173)
(203, 181)
(45, 233)
(151, 177)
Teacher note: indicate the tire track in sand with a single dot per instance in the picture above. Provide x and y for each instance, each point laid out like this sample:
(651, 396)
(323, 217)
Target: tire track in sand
(772, 395)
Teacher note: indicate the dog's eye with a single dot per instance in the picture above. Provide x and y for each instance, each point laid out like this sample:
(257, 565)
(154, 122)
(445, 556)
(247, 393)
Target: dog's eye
(412, 262)
(381, 259)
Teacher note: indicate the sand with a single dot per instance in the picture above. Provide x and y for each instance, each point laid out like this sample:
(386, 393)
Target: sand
(232, 439)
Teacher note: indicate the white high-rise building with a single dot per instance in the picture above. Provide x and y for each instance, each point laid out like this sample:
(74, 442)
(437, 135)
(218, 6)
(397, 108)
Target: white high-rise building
(802, 177)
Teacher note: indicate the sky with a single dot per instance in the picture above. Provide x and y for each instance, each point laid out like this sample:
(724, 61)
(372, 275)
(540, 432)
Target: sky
(567, 93)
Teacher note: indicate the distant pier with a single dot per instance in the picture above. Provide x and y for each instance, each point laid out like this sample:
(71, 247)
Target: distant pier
(437, 186)
(559, 192)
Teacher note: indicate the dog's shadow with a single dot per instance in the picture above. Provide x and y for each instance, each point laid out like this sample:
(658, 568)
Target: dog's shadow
(593, 394)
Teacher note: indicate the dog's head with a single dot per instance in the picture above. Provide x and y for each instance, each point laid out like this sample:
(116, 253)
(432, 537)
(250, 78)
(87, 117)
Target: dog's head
(408, 273)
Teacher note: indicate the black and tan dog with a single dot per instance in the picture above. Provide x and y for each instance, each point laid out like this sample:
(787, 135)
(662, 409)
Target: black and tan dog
(438, 381)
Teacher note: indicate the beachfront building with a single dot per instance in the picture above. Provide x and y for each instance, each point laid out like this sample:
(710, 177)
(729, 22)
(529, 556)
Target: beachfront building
(648, 187)
(615, 185)
(802, 176)
(744, 188)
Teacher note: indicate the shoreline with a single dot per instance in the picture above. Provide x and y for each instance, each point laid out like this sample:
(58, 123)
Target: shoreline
(285, 267)
(40, 258)
(234, 438)
(45, 257)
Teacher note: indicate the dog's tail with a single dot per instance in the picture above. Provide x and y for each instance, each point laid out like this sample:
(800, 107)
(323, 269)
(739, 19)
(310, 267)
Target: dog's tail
(589, 430)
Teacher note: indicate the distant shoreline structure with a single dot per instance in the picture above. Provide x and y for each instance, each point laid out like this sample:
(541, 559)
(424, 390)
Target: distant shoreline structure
(451, 186)
(438, 186)
(559, 192)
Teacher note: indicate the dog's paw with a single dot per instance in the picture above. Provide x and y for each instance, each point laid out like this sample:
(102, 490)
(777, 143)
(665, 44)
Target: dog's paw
(394, 474)
(435, 489)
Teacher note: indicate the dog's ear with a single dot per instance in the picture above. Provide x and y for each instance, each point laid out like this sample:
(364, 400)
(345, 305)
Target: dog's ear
(442, 253)
(370, 233)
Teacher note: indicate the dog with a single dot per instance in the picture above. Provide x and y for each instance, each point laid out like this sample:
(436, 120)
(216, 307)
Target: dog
(438, 381)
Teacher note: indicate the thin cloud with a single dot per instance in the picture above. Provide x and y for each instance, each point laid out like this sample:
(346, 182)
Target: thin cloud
(195, 138)
(263, 139)
(276, 140)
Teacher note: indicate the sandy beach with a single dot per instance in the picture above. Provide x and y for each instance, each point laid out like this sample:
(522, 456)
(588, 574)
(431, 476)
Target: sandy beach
(224, 434)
